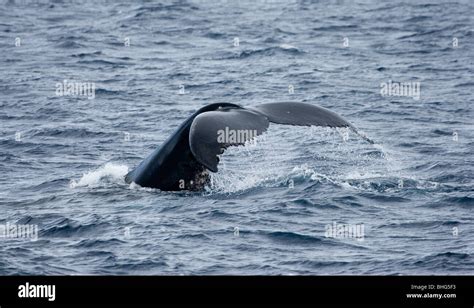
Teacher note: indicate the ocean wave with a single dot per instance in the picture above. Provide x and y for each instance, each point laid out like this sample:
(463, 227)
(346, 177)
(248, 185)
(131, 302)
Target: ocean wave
(99, 243)
(87, 54)
(293, 238)
(271, 51)
(70, 44)
(66, 227)
(101, 63)
(65, 132)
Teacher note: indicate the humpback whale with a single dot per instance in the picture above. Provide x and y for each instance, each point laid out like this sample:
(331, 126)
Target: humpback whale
(184, 160)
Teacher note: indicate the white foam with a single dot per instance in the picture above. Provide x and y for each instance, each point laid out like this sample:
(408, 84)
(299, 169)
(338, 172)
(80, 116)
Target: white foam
(362, 175)
(135, 186)
(109, 171)
(288, 47)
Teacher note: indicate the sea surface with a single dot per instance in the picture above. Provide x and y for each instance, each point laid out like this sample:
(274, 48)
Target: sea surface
(268, 210)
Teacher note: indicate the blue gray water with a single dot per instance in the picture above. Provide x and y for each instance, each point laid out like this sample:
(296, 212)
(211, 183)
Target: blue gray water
(63, 158)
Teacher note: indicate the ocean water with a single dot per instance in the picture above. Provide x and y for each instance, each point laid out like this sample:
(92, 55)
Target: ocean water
(269, 208)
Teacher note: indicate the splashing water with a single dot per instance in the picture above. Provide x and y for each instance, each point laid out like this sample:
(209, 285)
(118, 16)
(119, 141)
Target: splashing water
(109, 172)
(282, 154)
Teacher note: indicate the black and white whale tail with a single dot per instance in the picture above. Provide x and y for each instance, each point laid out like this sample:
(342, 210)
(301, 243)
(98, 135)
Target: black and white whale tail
(183, 161)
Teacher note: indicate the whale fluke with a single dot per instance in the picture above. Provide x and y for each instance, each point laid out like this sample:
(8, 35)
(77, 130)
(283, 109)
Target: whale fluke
(305, 115)
(184, 159)
(300, 114)
(206, 128)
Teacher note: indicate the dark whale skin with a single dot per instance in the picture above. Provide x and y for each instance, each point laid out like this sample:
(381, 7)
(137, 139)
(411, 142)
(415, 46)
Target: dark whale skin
(172, 166)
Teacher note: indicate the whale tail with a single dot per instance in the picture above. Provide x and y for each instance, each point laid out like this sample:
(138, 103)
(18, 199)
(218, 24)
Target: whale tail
(181, 162)
(305, 115)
